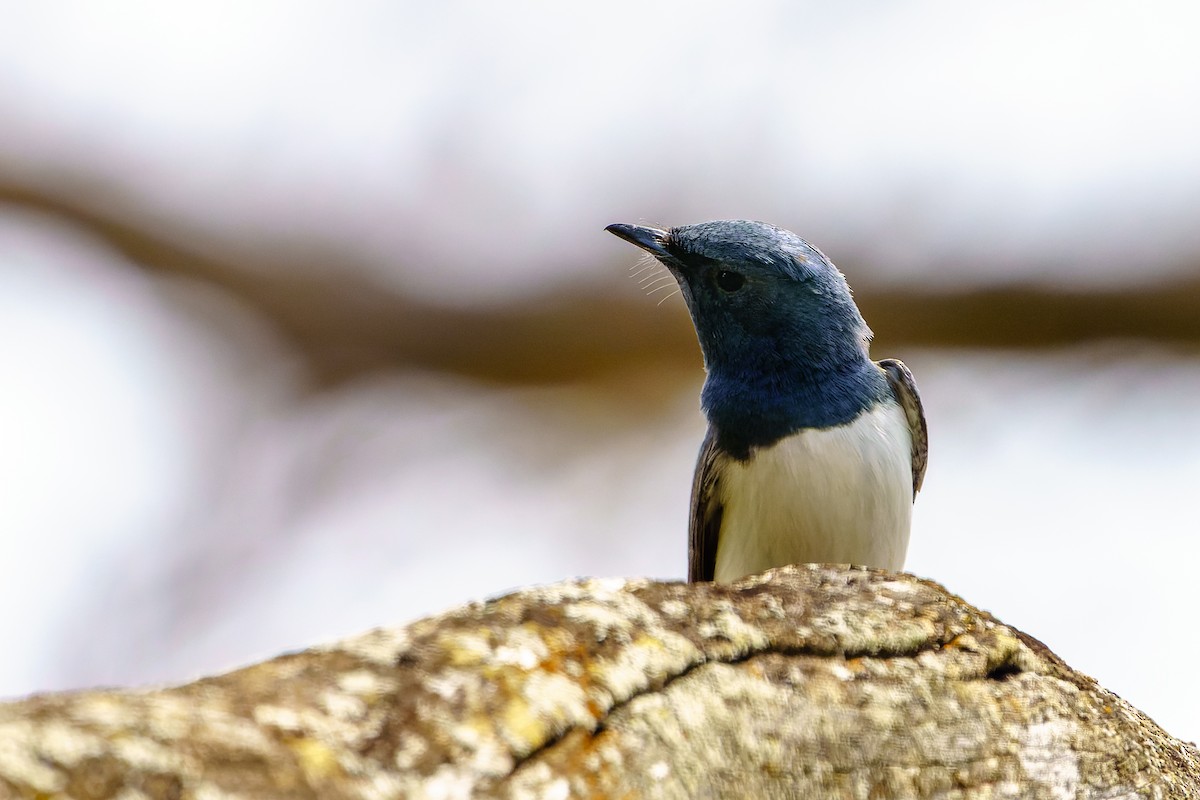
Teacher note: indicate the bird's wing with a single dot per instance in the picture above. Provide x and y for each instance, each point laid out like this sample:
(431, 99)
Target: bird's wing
(705, 524)
(905, 389)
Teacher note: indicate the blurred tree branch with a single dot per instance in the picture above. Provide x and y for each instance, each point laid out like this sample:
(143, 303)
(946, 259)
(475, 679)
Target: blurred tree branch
(345, 324)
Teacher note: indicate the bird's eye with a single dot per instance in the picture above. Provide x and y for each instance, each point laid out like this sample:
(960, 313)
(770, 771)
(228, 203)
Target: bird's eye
(730, 281)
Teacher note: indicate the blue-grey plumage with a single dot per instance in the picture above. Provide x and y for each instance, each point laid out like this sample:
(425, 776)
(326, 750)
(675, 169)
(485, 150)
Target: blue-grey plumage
(814, 452)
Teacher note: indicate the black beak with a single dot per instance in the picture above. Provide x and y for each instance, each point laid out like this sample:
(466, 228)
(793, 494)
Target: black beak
(652, 240)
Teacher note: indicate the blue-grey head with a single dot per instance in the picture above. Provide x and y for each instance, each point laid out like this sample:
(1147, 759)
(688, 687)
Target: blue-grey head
(784, 345)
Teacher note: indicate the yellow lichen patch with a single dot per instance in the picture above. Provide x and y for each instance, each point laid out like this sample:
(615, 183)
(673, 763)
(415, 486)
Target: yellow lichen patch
(522, 729)
(317, 761)
(538, 705)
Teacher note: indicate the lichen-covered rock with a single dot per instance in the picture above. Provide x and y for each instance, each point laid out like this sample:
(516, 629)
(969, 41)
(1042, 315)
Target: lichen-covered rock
(812, 681)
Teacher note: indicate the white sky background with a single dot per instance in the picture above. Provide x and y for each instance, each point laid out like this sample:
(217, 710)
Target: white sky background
(170, 506)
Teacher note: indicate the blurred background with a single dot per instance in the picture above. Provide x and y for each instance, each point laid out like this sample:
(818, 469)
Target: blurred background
(308, 322)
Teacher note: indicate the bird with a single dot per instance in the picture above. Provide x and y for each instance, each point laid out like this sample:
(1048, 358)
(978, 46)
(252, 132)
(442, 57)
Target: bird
(814, 453)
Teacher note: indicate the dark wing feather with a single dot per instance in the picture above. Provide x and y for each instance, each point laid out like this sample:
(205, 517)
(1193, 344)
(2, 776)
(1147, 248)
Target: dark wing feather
(704, 526)
(905, 389)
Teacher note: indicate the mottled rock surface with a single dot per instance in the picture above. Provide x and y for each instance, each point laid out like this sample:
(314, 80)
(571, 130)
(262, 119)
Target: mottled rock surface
(806, 682)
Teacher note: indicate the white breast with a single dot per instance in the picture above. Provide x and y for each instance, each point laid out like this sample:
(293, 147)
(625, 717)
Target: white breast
(841, 495)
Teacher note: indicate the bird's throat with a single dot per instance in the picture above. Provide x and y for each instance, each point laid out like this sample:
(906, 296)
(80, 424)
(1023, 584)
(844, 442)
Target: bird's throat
(756, 408)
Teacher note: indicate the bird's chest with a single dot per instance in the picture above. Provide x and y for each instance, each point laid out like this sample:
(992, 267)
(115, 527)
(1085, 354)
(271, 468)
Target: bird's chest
(836, 495)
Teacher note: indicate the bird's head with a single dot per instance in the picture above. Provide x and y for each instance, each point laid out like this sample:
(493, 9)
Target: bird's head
(763, 300)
